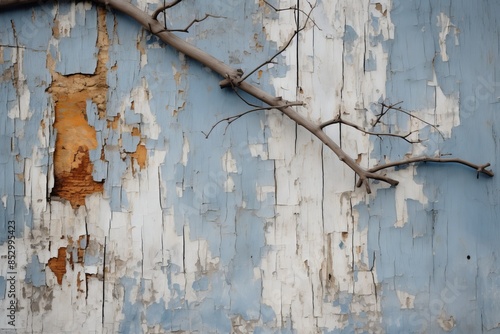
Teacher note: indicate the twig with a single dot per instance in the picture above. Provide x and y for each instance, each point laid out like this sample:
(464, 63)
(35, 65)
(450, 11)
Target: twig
(295, 9)
(479, 168)
(339, 120)
(383, 112)
(163, 8)
(406, 112)
(231, 74)
(295, 33)
(231, 119)
(196, 21)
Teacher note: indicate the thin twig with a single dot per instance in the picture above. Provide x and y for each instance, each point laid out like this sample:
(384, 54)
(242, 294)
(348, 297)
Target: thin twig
(295, 9)
(339, 120)
(383, 112)
(406, 112)
(196, 21)
(163, 8)
(295, 33)
(231, 119)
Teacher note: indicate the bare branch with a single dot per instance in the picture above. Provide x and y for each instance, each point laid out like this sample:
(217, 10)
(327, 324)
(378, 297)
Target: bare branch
(339, 120)
(295, 33)
(479, 168)
(295, 9)
(163, 8)
(383, 112)
(196, 21)
(231, 119)
(406, 112)
(232, 77)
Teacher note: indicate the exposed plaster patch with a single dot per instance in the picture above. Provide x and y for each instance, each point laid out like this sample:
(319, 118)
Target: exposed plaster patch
(258, 150)
(446, 110)
(263, 191)
(229, 185)
(140, 156)
(75, 137)
(185, 151)
(444, 22)
(140, 97)
(21, 109)
(411, 190)
(446, 322)
(229, 163)
(406, 300)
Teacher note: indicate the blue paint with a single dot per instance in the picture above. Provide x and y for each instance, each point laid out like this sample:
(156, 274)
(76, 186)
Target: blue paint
(35, 272)
(201, 284)
(436, 255)
(19, 137)
(131, 311)
(78, 51)
(426, 258)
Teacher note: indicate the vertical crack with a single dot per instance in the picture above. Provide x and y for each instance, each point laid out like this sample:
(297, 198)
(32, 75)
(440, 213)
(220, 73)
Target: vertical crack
(297, 22)
(342, 85)
(373, 277)
(104, 280)
(352, 246)
(297, 61)
(323, 187)
(184, 249)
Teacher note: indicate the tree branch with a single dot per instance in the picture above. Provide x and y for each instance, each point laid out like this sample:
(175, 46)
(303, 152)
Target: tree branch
(234, 77)
(295, 33)
(231, 119)
(339, 120)
(481, 169)
(406, 112)
(196, 21)
(163, 8)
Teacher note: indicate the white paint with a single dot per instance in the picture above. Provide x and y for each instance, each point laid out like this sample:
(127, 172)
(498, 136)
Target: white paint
(406, 300)
(229, 185)
(185, 151)
(445, 24)
(314, 203)
(263, 191)
(141, 96)
(229, 163)
(20, 110)
(67, 21)
(258, 150)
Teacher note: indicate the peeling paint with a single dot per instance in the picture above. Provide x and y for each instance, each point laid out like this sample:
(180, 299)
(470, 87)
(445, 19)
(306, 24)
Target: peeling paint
(129, 220)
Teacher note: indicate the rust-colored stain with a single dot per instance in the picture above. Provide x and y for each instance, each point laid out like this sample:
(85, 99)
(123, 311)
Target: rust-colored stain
(259, 74)
(140, 155)
(58, 264)
(75, 137)
(113, 124)
(136, 132)
(76, 249)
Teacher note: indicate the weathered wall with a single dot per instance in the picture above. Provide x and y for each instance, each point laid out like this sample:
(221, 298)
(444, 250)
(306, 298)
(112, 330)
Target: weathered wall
(125, 218)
